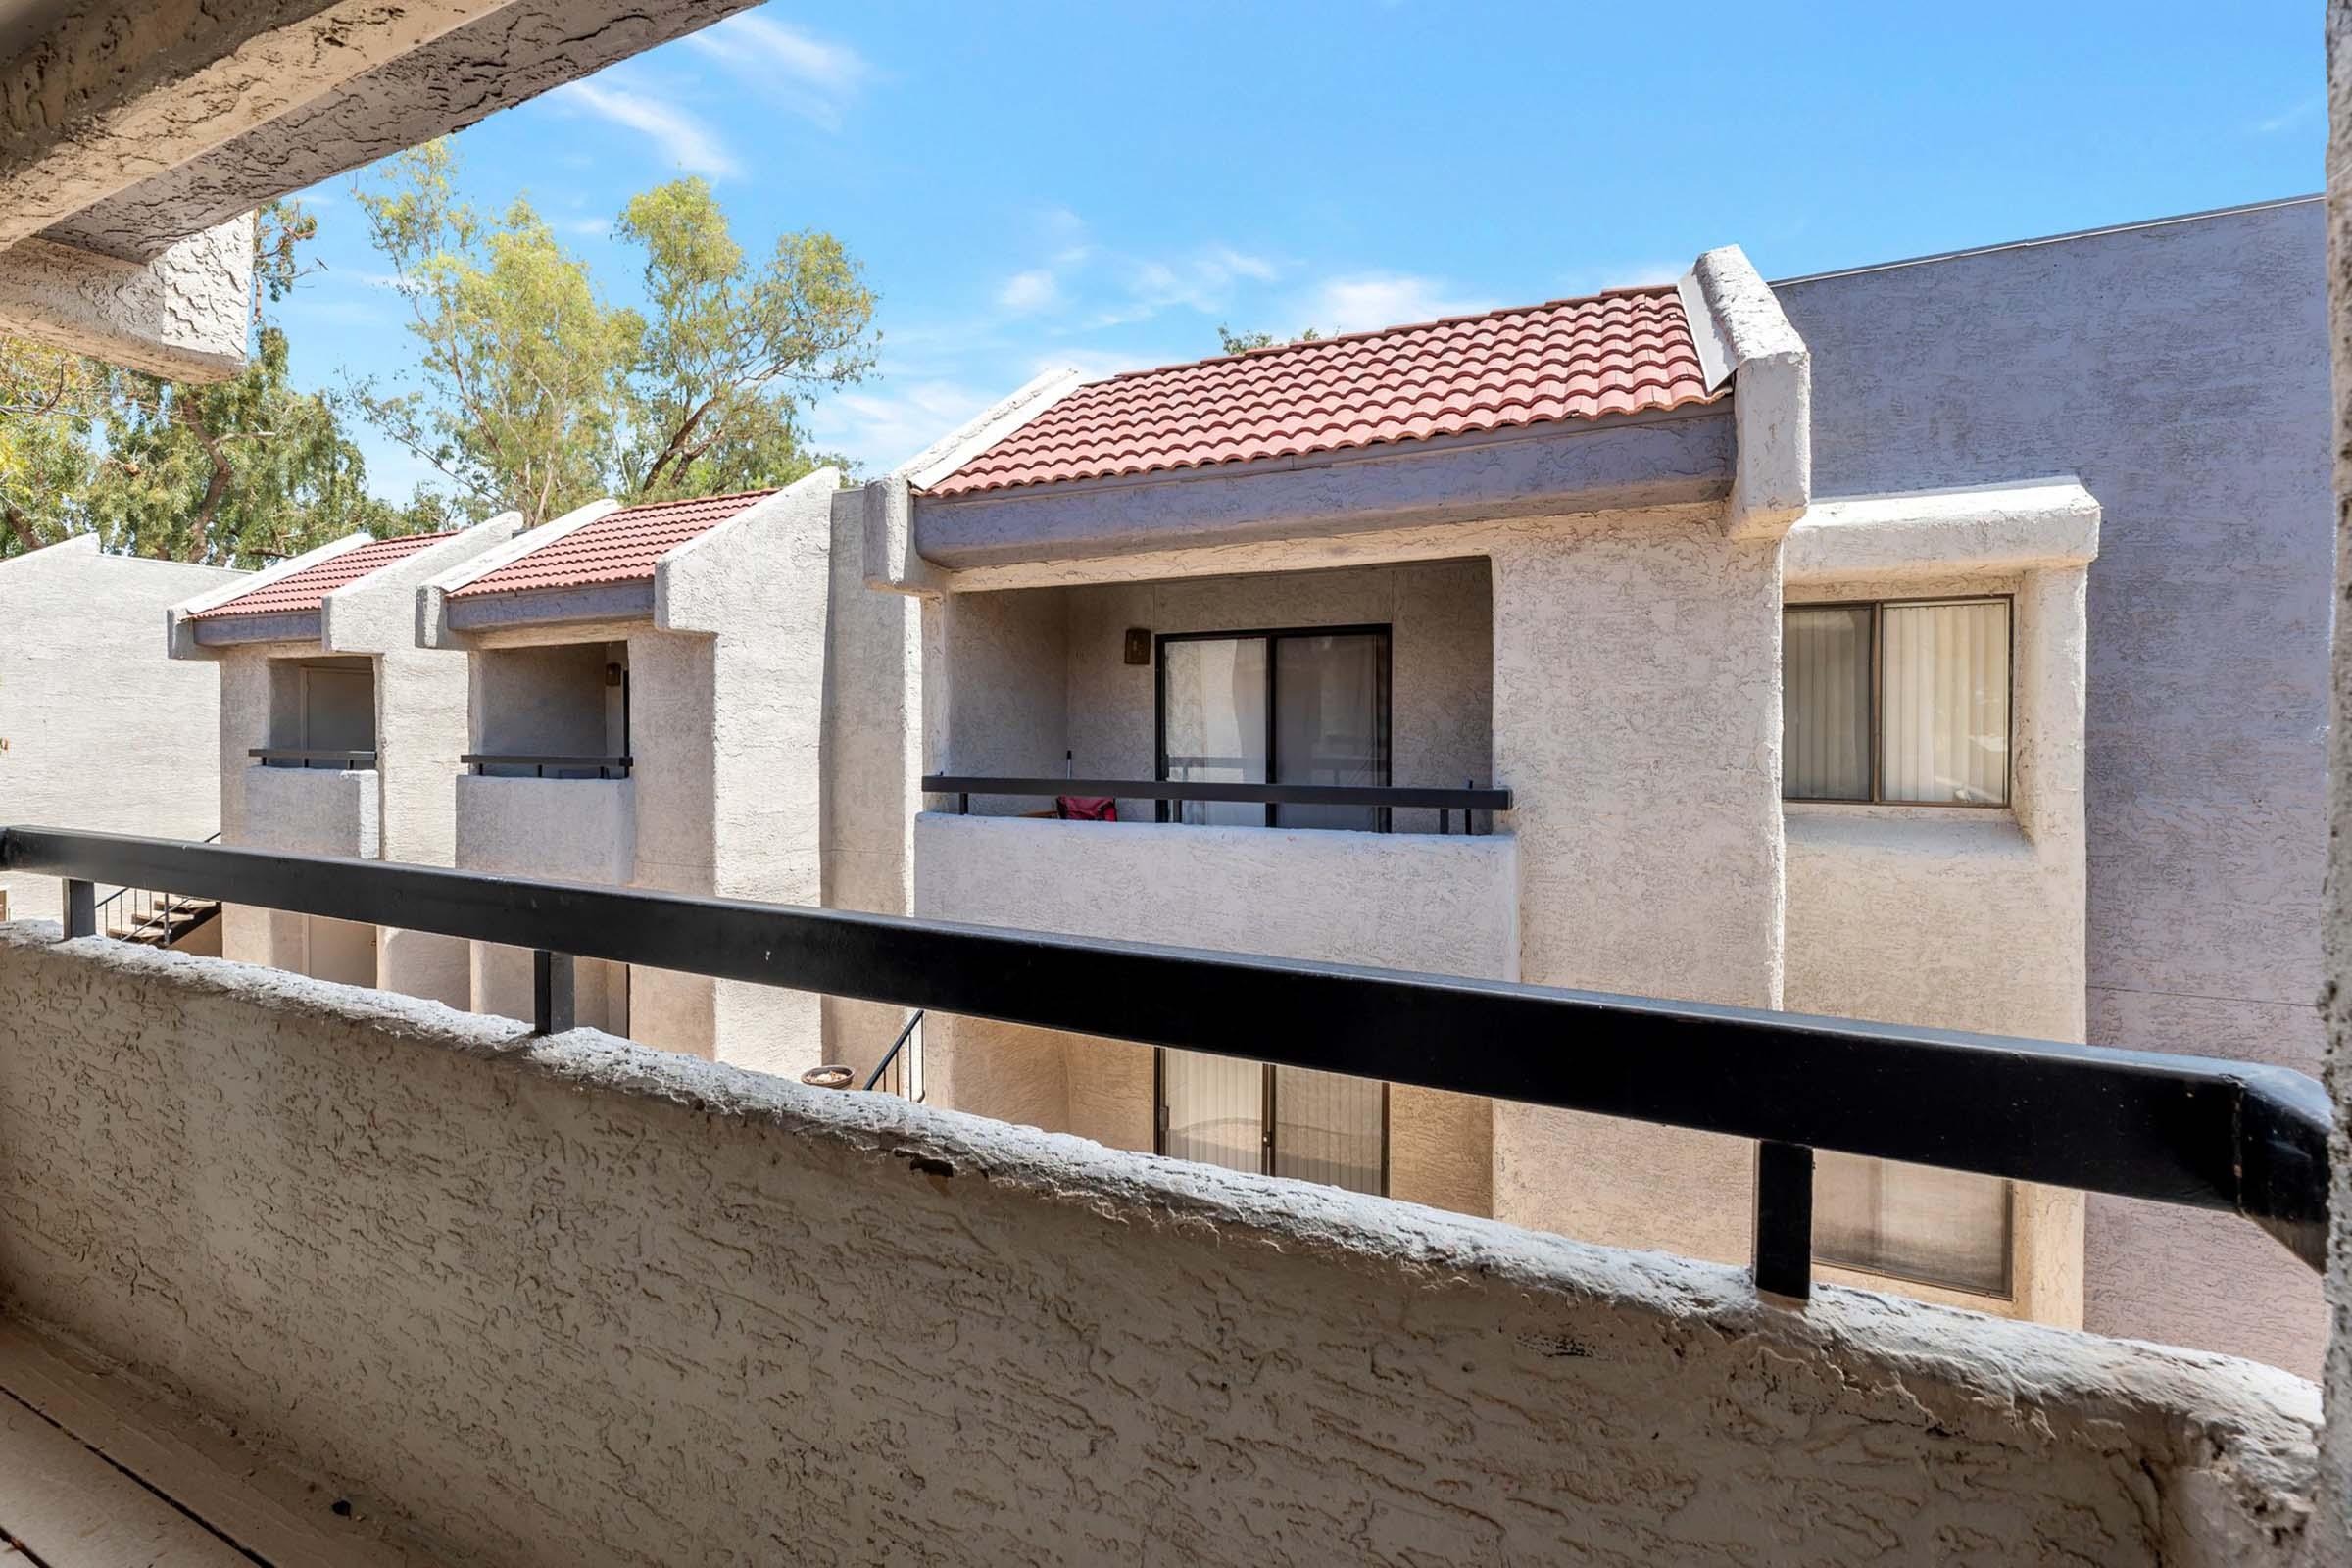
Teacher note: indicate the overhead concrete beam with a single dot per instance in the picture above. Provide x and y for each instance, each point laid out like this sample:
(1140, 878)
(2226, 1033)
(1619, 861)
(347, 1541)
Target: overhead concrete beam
(115, 92)
(491, 61)
(182, 315)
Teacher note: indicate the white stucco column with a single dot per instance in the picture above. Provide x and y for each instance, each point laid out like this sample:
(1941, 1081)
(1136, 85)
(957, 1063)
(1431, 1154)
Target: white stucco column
(1638, 724)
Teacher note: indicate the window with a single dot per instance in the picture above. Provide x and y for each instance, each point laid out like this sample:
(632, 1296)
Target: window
(1902, 703)
(1276, 707)
(1914, 1222)
(1281, 1121)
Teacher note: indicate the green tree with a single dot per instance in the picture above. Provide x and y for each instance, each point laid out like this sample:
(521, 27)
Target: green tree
(725, 351)
(535, 394)
(516, 392)
(1232, 342)
(231, 472)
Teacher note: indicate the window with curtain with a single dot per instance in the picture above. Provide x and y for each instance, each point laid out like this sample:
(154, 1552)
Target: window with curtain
(1939, 1227)
(1899, 702)
(1304, 706)
(1282, 1121)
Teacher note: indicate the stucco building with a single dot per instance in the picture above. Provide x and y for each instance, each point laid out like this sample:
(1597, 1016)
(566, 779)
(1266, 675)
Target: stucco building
(674, 696)
(1793, 622)
(96, 728)
(335, 734)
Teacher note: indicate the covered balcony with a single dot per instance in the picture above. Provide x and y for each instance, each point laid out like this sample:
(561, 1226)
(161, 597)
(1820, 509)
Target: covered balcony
(468, 1290)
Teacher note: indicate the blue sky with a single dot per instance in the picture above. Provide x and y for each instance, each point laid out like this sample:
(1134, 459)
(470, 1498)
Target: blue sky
(1048, 184)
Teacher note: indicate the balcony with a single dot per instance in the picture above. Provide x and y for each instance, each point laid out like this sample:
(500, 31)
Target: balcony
(571, 826)
(314, 803)
(547, 1301)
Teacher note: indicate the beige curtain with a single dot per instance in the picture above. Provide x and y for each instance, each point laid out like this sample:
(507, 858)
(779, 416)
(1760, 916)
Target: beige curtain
(1216, 722)
(1824, 703)
(1945, 1227)
(1215, 1107)
(1945, 692)
(1327, 1128)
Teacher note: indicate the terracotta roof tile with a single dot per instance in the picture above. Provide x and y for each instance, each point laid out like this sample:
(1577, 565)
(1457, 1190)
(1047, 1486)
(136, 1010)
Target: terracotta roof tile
(1624, 351)
(304, 591)
(619, 547)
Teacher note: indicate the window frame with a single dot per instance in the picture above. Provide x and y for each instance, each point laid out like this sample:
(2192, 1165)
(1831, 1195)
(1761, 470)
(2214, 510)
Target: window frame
(1384, 630)
(1268, 1121)
(1878, 608)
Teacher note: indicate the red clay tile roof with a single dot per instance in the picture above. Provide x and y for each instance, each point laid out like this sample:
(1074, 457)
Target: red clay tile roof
(619, 547)
(1628, 351)
(304, 591)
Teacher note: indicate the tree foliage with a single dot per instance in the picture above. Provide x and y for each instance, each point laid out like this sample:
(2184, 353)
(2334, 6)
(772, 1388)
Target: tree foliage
(534, 394)
(233, 472)
(1232, 342)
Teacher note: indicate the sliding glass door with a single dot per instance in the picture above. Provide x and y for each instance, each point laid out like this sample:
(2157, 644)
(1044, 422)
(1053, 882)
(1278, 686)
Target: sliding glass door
(1282, 1121)
(1304, 706)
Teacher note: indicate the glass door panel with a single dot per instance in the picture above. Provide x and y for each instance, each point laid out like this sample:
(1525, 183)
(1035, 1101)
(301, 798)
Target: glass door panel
(1328, 1127)
(1216, 716)
(1330, 722)
(1214, 1109)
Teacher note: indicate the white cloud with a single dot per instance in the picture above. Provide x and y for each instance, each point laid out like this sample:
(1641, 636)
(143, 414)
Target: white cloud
(1361, 301)
(1031, 290)
(682, 138)
(1202, 281)
(879, 430)
(2288, 118)
(813, 78)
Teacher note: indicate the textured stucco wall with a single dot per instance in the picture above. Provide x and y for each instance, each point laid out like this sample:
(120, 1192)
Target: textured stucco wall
(566, 830)
(1444, 905)
(184, 315)
(103, 731)
(2179, 369)
(872, 756)
(1637, 723)
(569, 1301)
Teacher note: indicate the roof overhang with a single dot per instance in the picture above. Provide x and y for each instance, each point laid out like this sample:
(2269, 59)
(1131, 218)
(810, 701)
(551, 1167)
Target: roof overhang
(546, 607)
(1677, 458)
(239, 631)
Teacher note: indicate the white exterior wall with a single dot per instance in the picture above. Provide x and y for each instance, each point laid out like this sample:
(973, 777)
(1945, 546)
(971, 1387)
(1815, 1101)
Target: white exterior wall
(100, 730)
(567, 1302)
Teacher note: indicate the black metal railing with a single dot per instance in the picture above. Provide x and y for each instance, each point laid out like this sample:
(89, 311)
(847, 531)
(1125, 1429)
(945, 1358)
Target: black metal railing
(136, 915)
(900, 1071)
(564, 766)
(2192, 1131)
(291, 756)
(1383, 798)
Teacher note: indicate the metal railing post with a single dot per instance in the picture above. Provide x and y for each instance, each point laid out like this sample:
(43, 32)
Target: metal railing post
(82, 907)
(552, 1002)
(1784, 1219)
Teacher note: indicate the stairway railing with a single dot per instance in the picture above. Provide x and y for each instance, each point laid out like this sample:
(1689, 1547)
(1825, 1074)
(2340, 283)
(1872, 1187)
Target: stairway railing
(899, 1072)
(127, 913)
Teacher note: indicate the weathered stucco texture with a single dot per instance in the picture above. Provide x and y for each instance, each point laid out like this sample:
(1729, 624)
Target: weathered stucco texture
(102, 730)
(2191, 399)
(569, 1301)
(1444, 905)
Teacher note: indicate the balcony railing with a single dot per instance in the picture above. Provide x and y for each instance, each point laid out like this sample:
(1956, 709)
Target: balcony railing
(2191, 1131)
(1382, 797)
(541, 766)
(292, 757)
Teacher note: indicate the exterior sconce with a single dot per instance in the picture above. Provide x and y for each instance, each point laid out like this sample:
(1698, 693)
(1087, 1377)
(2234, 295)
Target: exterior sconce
(1139, 645)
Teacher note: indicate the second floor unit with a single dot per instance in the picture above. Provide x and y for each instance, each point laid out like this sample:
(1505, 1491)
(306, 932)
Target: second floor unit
(654, 698)
(1512, 647)
(336, 736)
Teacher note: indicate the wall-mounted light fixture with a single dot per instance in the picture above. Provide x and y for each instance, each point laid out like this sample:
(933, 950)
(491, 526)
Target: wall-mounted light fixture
(1139, 645)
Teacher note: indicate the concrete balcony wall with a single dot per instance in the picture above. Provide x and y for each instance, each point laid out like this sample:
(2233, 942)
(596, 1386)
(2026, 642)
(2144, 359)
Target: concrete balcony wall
(311, 811)
(570, 830)
(570, 1301)
(1409, 900)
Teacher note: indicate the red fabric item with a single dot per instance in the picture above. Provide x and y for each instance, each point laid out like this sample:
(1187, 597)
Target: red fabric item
(1629, 351)
(1086, 809)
